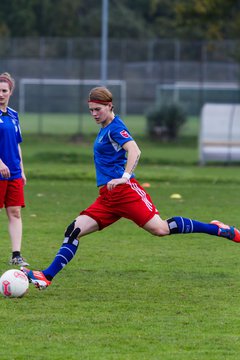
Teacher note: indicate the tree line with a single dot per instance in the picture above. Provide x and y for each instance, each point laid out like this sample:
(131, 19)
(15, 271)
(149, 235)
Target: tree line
(180, 19)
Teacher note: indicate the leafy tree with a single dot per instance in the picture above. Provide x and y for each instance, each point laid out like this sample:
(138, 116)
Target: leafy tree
(196, 19)
(58, 17)
(17, 18)
(208, 19)
(129, 21)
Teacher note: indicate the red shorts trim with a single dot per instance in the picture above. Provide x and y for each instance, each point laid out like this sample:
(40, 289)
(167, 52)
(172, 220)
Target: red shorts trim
(12, 193)
(128, 200)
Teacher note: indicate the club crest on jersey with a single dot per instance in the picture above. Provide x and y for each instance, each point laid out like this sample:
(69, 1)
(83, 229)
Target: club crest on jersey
(125, 134)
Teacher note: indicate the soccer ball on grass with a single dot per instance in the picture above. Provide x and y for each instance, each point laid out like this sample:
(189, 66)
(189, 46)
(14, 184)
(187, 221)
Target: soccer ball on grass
(14, 284)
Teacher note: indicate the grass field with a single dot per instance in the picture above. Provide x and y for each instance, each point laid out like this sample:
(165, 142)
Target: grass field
(126, 295)
(69, 124)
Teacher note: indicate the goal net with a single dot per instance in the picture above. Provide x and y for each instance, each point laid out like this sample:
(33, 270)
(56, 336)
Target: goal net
(40, 95)
(193, 95)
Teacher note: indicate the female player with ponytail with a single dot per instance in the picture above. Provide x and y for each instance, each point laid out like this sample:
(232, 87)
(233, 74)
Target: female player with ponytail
(116, 156)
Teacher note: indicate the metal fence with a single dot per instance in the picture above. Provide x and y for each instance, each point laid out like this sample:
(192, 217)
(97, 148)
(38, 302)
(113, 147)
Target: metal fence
(143, 66)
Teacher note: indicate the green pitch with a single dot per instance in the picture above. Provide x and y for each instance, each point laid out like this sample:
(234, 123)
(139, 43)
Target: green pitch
(126, 295)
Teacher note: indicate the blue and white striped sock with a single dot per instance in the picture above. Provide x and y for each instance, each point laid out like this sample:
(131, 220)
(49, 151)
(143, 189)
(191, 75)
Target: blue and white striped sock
(63, 257)
(181, 225)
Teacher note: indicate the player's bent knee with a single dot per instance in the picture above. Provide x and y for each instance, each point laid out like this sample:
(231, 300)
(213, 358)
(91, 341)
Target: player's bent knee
(158, 232)
(14, 212)
(157, 227)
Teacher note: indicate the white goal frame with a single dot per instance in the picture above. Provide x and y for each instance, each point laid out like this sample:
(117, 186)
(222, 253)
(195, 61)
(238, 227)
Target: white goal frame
(72, 82)
(181, 86)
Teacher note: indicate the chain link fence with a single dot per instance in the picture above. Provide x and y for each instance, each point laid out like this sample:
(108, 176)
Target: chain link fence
(143, 66)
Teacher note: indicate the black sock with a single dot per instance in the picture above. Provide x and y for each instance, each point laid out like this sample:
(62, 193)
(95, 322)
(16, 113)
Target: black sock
(15, 254)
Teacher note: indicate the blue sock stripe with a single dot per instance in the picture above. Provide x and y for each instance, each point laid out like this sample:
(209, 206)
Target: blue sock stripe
(182, 224)
(186, 225)
(191, 222)
(62, 256)
(64, 247)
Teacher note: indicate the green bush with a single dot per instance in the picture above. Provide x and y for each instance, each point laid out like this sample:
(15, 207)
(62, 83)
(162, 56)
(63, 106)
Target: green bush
(164, 122)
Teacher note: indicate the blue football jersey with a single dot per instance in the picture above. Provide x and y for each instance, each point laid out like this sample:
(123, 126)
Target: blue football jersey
(109, 156)
(10, 137)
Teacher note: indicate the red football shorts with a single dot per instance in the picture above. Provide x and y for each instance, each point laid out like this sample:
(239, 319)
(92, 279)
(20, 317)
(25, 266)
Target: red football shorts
(11, 193)
(127, 200)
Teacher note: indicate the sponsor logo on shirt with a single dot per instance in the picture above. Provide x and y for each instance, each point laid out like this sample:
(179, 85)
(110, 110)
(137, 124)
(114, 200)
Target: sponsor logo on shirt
(125, 134)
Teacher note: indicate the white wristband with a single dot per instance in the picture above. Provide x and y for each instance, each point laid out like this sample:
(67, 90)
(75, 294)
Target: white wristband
(126, 175)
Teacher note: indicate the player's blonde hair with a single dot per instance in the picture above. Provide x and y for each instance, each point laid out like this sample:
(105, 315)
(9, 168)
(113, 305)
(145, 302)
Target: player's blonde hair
(100, 95)
(6, 77)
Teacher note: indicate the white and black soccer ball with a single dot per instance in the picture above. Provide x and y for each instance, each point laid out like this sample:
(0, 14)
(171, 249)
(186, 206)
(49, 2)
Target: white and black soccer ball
(13, 283)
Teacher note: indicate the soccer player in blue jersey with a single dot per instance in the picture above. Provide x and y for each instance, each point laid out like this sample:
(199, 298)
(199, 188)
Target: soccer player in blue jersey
(12, 177)
(116, 156)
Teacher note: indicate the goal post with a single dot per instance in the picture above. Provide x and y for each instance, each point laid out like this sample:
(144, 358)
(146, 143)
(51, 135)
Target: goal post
(192, 95)
(25, 83)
